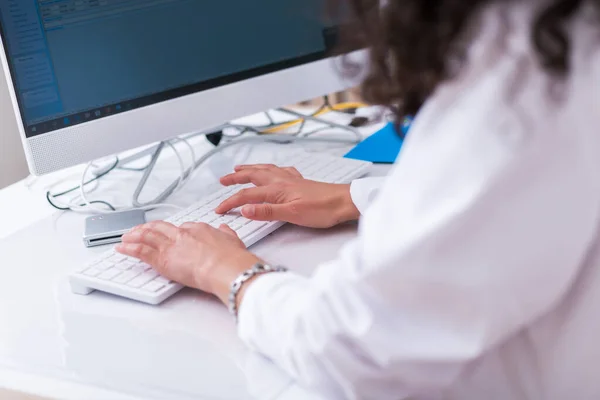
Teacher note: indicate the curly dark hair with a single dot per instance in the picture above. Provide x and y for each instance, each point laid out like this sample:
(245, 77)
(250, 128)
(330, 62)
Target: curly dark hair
(413, 43)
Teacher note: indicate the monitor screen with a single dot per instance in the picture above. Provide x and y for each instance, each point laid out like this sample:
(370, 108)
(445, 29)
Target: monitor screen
(73, 61)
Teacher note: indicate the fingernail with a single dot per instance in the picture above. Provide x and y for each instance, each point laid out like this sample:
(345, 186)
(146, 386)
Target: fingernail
(248, 211)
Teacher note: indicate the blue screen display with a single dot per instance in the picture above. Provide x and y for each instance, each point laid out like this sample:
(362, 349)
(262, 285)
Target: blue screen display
(78, 60)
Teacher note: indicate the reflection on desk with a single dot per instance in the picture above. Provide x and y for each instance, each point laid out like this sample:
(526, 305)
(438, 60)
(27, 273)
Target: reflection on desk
(159, 353)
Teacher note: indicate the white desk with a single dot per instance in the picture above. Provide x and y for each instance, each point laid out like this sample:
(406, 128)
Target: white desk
(60, 345)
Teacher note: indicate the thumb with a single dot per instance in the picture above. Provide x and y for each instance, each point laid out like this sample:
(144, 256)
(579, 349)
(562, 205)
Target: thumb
(226, 229)
(267, 212)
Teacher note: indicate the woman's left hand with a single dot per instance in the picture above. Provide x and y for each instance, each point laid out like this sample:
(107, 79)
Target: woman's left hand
(195, 255)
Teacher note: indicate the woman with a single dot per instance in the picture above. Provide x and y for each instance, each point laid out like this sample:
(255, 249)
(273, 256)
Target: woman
(476, 273)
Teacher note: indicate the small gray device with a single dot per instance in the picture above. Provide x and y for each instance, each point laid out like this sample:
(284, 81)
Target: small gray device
(109, 228)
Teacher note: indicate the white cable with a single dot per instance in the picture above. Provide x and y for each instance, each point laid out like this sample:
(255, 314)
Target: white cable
(69, 205)
(76, 200)
(82, 189)
(84, 199)
(190, 171)
(181, 165)
(87, 206)
(193, 155)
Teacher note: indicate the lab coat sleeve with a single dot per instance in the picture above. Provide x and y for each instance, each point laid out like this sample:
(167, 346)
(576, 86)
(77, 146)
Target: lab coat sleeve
(364, 191)
(475, 235)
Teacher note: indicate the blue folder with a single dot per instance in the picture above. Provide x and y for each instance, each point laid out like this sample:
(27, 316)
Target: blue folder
(383, 146)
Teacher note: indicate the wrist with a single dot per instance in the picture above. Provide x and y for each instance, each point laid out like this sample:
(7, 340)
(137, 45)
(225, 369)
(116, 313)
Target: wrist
(346, 210)
(240, 285)
(218, 281)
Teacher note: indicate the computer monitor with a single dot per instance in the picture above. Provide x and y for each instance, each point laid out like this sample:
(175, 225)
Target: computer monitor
(90, 78)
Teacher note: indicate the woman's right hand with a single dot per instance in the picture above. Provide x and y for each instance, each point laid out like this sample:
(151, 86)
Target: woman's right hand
(282, 194)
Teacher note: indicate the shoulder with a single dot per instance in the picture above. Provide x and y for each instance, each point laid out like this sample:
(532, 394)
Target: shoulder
(502, 87)
(505, 114)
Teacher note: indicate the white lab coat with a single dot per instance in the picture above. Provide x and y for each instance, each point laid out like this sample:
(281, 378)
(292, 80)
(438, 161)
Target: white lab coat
(476, 273)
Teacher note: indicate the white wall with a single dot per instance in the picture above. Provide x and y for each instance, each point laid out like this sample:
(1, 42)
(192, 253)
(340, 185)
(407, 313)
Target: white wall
(12, 158)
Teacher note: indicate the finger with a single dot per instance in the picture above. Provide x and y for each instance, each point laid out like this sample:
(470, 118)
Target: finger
(245, 196)
(258, 177)
(269, 212)
(188, 225)
(137, 228)
(146, 236)
(226, 229)
(140, 251)
(194, 226)
(162, 227)
(254, 166)
(293, 171)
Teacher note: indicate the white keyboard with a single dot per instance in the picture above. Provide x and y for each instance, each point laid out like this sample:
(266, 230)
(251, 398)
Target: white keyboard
(128, 277)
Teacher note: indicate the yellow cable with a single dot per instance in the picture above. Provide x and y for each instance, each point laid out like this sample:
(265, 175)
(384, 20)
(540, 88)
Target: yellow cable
(336, 107)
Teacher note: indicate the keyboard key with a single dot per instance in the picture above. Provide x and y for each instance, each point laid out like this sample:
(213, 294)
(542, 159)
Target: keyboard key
(210, 217)
(187, 219)
(175, 216)
(236, 227)
(144, 265)
(250, 228)
(238, 223)
(143, 279)
(106, 256)
(163, 280)
(229, 218)
(212, 197)
(96, 261)
(117, 258)
(217, 222)
(228, 189)
(93, 272)
(195, 207)
(104, 265)
(197, 215)
(126, 276)
(203, 210)
(125, 265)
(310, 172)
(337, 175)
(153, 286)
(109, 274)
(83, 267)
(214, 204)
(140, 268)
